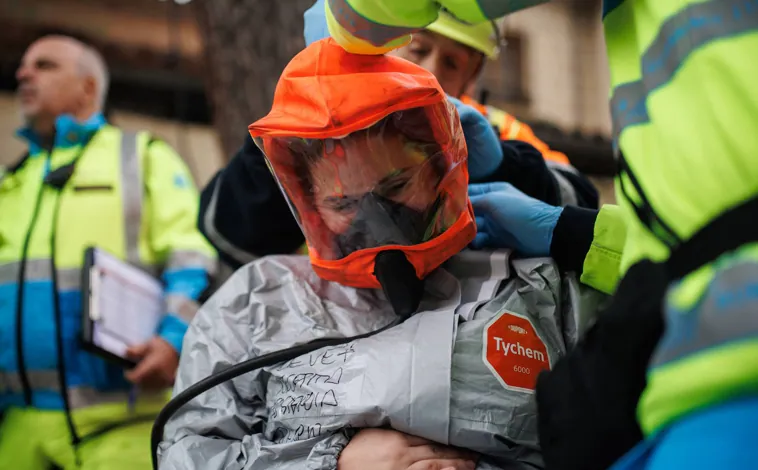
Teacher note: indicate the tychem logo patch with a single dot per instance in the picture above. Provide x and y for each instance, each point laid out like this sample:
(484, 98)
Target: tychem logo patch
(514, 351)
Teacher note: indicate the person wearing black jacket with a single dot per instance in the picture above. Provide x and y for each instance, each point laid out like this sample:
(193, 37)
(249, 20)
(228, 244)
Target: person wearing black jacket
(587, 402)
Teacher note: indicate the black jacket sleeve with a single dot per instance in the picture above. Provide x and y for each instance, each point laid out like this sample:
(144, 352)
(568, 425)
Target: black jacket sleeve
(572, 237)
(524, 167)
(243, 212)
(587, 403)
(578, 190)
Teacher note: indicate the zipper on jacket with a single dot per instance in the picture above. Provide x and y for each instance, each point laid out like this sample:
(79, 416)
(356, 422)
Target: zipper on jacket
(20, 296)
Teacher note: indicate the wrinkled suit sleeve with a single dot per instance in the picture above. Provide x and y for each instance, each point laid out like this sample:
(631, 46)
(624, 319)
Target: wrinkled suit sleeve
(214, 430)
(378, 26)
(225, 427)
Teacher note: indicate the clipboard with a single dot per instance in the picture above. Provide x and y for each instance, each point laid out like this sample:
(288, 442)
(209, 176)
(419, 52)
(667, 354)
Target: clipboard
(122, 306)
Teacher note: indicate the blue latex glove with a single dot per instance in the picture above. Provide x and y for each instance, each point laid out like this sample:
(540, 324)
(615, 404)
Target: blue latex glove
(484, 151)
(508, 218)
(315, 23)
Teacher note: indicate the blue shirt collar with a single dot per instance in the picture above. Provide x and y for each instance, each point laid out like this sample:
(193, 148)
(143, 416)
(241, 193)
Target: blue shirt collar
(68, 132)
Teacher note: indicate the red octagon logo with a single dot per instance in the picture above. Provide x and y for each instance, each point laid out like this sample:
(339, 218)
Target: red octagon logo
(514, 351)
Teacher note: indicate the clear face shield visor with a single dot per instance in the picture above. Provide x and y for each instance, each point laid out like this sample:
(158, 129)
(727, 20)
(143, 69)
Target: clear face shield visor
(399, 182)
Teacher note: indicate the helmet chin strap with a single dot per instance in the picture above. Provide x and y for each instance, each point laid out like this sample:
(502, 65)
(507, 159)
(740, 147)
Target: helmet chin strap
(399, 282)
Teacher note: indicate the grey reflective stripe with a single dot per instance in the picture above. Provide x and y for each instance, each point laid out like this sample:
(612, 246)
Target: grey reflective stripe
(691, 28)
(9, 272)
(38, 380)
(727, 313)
(215, 237)
(628, 107)
(82, 397)
(479, 285)
(151, 269)
(561, 166)
(79, 397)
(39, 270)
(479, 264)
(363, 28)
(43, 379)
(568, 192)
(184, 307)
(494, 9)
(10, 382)
(190, 259)
(69, 279)
(131, 192)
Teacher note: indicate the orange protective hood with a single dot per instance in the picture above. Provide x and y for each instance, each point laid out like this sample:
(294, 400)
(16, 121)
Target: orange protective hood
(351, 135)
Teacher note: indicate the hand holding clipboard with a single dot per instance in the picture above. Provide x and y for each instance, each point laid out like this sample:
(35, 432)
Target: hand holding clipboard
(122, 306)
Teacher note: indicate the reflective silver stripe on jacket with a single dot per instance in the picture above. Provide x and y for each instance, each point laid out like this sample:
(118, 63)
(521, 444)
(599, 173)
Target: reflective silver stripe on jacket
(690, 29)
(478, 284)
(179, 259)
(9, 272)
(224, 245)
(727, 313)
(10, 382)
(182, 306)
(132, 194)
(496, 8)
(568, 193)
(79, 397)
(362, 27)
(39, 270)
(83, 397)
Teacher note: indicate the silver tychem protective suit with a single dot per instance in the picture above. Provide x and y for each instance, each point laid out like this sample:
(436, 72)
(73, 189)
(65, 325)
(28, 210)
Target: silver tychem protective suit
(428, 376)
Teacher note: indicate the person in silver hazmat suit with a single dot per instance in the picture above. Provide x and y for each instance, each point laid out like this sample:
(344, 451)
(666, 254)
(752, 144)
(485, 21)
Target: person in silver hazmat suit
(367, 183)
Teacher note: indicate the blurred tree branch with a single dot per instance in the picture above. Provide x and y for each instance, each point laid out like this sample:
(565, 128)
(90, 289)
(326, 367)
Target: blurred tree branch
(247, 45)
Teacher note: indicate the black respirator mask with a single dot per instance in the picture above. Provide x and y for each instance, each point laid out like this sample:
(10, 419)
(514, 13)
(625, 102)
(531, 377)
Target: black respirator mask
(380, 222)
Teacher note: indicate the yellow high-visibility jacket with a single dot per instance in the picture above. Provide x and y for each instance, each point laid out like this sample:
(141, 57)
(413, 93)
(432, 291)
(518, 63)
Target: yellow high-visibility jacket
(123, 192)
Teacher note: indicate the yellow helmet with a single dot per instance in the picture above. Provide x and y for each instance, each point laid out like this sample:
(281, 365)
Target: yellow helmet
(483, 37)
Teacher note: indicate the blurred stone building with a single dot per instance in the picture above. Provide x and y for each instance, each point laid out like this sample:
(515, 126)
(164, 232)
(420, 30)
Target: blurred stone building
(552, 74)
(155, 56)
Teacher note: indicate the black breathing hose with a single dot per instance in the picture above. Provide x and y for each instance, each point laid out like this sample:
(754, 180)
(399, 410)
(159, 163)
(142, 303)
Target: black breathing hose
(240, 369)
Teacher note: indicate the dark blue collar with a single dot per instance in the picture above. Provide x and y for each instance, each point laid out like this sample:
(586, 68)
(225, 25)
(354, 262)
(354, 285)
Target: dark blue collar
(68, 132)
